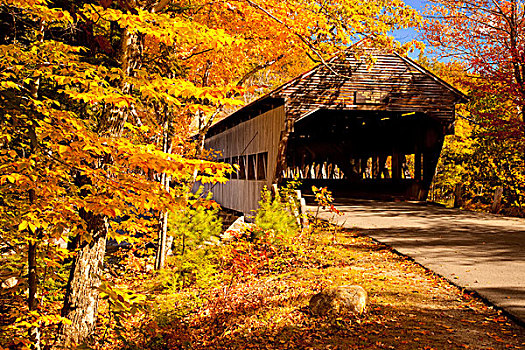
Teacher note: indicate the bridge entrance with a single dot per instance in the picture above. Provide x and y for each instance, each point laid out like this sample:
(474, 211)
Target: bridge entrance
(365, 154)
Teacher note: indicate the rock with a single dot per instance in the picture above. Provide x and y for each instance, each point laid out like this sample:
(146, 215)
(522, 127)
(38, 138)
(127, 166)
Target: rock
(235, 230)
(339, 300)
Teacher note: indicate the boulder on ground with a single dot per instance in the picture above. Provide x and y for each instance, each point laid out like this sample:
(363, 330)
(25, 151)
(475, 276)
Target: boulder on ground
(339, 300)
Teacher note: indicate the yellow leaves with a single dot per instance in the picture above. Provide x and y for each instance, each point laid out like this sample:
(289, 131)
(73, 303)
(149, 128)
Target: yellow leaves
(27, 224)
(39, 9)
(63, 149)
(174, 91)
(102, 96)
(7, 178)
(14, 178)
(9, 85)
(54, 319)
(23, 225)
(165, 28)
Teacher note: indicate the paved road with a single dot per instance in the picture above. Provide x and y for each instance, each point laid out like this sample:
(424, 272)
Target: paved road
(482, 252)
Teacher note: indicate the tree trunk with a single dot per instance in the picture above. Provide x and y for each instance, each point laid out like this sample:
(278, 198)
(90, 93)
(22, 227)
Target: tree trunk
(281, 150)
(81, 299)
(32, 273)
(160, 258)
(496, 202)
(458, 196)
(32, 281)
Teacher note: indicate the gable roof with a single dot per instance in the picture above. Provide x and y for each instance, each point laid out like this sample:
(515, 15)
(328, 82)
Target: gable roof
(392, 83)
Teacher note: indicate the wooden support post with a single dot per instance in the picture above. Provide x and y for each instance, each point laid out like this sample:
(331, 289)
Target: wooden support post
(296, 207)
(364, 164)
(428, 167)
(376, 174)
(405, 173)
(417, 166)
(383, 168)
(498, 196)
(346, 168)
(301, 209)
(354, 165)
(396, 167)
(458, 196)
(275, 190)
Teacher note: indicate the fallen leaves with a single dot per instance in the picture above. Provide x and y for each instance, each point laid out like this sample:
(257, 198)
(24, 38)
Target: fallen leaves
(409, 307)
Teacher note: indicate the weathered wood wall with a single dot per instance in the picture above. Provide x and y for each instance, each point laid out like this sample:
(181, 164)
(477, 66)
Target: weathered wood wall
(392, 84)
(254, 136)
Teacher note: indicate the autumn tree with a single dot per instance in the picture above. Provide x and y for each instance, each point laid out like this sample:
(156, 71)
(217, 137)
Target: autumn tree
(78, 119)
(488, 37)
(283, 39)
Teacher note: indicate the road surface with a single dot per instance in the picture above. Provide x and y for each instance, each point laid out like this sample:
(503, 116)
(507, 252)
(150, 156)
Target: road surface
(481, 252)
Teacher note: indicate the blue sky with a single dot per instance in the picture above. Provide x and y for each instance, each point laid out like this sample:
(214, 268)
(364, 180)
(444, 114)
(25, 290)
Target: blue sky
(409, 34)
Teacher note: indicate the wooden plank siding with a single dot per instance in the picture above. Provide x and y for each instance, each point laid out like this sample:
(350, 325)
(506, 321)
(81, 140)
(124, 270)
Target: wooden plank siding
(258, 135)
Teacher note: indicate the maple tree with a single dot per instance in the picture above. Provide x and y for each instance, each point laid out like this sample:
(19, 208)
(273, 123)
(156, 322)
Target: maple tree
(97, 101)
(487, 38)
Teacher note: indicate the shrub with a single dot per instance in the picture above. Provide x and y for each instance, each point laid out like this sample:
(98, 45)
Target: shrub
(275, 214)
(195, 230)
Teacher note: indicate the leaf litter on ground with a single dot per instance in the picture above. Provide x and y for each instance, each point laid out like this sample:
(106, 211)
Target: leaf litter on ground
(409, 307)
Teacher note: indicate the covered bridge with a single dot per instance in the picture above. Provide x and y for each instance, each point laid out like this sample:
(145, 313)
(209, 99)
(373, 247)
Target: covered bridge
(363, 131)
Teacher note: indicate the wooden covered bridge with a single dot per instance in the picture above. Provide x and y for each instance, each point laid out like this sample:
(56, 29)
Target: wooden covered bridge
(364, 132)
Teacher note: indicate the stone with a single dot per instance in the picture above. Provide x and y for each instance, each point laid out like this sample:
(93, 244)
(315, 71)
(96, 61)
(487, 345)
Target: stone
(236, 229)
(339, 300)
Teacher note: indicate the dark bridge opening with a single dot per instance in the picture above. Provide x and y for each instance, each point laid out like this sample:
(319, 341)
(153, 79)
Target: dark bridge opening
(365, 154)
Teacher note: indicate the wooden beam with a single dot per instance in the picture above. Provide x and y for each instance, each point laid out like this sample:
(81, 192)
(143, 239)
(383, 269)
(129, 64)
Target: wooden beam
(417, 166)
(376, 174)
(364, 165)
(383, 168)
(396, 167)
